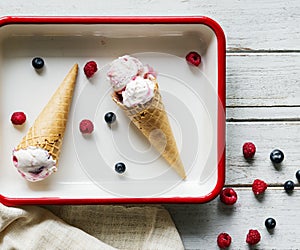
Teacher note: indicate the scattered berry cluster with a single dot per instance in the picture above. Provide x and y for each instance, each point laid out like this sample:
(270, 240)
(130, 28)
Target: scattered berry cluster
(252, 238)
(276, 157)
(229, 196)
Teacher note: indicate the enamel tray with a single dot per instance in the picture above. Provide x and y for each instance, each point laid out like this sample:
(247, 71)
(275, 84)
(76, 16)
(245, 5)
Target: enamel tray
(194, 99)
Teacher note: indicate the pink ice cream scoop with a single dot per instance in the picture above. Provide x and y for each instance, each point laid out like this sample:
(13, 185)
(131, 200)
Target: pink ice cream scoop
(123, 70)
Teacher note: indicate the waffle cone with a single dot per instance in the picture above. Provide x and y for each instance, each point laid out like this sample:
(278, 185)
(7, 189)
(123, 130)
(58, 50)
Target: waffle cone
(152, 120)
(48, 130)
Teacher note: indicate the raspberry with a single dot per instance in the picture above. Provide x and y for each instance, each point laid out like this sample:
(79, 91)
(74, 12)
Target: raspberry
(228, 196)
(253, 237)
(193, 58)
(259, 186)
(86, 127)
(224, 240)
(18, 118)
(249, 150)
(90, 69)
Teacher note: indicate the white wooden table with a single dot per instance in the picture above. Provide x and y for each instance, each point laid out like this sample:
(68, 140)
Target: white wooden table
(263, 106)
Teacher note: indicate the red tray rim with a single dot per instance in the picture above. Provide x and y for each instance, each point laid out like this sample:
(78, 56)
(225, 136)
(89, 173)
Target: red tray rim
(221, 49)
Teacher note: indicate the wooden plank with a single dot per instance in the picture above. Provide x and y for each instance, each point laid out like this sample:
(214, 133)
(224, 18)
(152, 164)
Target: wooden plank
(266, 136)
(263, 79)
(249, 25)
(199, 225)
(263, 114)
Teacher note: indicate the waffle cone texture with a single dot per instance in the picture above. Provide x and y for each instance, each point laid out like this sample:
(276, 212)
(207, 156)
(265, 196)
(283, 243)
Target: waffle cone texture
(48, 130)
(152, 120)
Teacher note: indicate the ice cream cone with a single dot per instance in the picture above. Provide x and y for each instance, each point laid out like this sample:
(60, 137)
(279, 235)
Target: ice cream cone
(48, 130)
(152, 120)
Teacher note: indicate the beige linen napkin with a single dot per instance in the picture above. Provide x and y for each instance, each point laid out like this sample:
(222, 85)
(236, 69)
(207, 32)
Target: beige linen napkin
(88, 227)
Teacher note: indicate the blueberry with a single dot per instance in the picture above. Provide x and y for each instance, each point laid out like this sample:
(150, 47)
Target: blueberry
(120, 167)
(110, 117)
(298, 175)
(276, 156)
(270, 223)
(37, 63)
(289, 186)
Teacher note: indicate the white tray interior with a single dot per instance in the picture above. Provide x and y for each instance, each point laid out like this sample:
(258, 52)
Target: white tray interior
(86, 167)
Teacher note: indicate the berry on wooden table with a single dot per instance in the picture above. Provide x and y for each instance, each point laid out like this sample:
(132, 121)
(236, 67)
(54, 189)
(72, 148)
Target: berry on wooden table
(259, 186)
(270, 223)
(249, 150)
(253, 237)
(276, 156)
(289, 186)
(298, 175)
(224, 240)
(228, 196)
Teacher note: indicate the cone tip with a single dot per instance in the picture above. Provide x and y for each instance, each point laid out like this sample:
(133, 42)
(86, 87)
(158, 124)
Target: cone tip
(183, 176)
(73, 71)
(75, 67)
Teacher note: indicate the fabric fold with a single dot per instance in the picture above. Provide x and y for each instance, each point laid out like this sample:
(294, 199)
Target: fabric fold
(34, 228)
(88, 227)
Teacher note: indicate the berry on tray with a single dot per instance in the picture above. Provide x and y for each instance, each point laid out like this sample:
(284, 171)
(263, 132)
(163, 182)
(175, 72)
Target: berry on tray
(90, 69)
(270, 223)
(289, 186)
(38, 62)
(224, 240)
(86, 126)
(193, 58)
(276, 156)
(110, 117)
(249, 150)
(228, 196)
(253, 237)
(120, 167)
(259, 186)
(18, 118)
